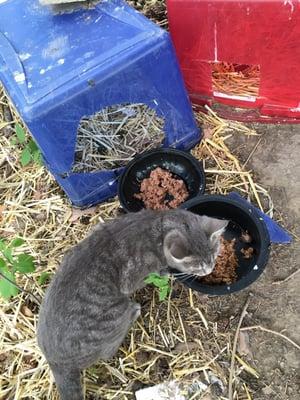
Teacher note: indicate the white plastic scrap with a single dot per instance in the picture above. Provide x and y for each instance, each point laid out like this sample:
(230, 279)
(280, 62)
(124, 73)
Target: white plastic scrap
(174, 390)
(164, 391)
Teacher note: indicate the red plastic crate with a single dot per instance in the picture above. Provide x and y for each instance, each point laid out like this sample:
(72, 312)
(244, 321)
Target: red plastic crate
(262, 37)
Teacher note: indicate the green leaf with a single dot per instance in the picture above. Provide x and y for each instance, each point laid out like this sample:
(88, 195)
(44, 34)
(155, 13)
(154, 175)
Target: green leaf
(25, 157)
(2, 245)
(7, 289)
(37, 157)
(35, 152)
(163, 293)
(164, 280)
(2, 264)
(6, 251)
(21, 135)
(43, 278)
(157, 280)
(24, 263)
(8, 254)
(17, 242)
(32, 146)
(13, 141)
(153, 277)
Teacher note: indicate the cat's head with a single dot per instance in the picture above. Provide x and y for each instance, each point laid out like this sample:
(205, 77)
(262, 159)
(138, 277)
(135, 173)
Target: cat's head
(193, 247)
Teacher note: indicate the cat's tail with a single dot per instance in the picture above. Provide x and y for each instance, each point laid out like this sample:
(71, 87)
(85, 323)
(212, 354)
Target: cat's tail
(68, 382)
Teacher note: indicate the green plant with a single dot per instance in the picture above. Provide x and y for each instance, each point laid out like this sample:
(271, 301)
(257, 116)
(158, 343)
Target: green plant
(12, 263)
(30, 150)
(43, 278)
(161, 282)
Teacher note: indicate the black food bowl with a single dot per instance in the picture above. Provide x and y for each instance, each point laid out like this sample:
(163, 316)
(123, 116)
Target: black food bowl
(180, 163)
(242, 219)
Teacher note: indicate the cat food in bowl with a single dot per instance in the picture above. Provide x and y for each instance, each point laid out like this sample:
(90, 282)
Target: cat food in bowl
(160, 179)
(226, 265)
(162, 190)
(244, 248)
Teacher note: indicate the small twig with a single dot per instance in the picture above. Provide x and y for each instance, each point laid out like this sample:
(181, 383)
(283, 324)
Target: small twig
(248, 328)
(287, 278)
(21, 289)
(169, 313)
(247, 392)
(233, 352)
(252, 152)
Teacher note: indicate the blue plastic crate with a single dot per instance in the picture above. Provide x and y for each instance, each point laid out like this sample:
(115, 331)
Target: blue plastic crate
(59, 68)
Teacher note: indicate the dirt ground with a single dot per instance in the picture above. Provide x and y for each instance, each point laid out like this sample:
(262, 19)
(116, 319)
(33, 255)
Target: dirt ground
(274, 305)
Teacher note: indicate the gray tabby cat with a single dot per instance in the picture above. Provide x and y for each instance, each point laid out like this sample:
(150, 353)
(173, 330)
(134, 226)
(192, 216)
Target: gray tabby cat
(87, 310)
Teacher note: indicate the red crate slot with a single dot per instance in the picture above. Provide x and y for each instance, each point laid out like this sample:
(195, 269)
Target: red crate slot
(243, 55)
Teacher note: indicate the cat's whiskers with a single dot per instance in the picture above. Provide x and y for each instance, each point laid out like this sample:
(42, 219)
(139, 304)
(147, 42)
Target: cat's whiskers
(179, 273)
(195, 277)
(185, 277)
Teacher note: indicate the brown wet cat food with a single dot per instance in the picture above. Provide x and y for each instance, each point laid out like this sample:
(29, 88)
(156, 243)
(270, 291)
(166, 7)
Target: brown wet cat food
(246, 238)
(162, 190)
(248, 253)
(226, 264)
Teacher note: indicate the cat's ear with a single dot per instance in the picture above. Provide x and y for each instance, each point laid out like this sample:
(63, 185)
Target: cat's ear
(175, 246)
(213, 227)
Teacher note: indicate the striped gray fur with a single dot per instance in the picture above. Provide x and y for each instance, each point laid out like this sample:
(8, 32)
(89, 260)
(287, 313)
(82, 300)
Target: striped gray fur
(87, 310)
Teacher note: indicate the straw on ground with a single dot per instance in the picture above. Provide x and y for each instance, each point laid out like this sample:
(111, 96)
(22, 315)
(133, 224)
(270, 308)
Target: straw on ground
(172, 339)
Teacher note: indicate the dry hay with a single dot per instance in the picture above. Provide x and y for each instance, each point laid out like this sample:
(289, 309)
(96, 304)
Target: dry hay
(235, 79)
(224, 172)
(172, 339)
(113, 136)
(156, 10)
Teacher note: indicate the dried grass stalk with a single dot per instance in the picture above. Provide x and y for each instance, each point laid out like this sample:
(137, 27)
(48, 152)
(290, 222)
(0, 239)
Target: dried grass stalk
(112, 137)
(155, 10)
(234, 79)
(224, 172)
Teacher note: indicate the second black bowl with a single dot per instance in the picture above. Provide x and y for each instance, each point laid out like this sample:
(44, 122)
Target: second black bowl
(242, 219)
(180, 163)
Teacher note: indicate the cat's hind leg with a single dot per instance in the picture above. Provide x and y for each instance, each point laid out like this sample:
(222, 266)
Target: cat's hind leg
(68, 382)
(120, 329)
